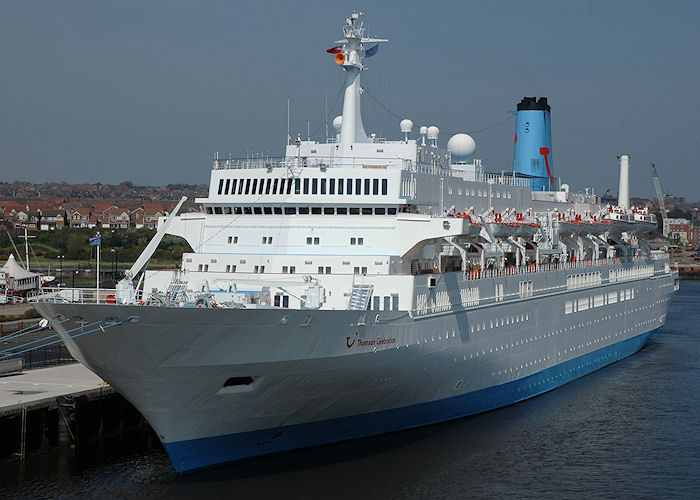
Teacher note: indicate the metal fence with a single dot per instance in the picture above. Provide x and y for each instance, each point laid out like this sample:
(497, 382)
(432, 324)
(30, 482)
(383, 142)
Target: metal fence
(43, 357)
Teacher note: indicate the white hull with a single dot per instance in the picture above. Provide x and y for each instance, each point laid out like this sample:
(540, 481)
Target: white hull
(311, 366)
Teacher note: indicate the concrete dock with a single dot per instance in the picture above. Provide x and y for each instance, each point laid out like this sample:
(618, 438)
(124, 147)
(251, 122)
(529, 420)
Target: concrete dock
(68, 404)
(42, 386)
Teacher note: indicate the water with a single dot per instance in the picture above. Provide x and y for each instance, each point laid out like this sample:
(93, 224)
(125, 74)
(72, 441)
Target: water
(629, 430)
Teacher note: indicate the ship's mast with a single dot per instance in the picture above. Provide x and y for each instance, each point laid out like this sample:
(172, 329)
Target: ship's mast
(353, 52)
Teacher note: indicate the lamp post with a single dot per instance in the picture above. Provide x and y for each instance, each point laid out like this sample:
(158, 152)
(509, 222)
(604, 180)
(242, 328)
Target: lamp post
(115, 264)
(113, 253)
(60, 260)
(74, 275)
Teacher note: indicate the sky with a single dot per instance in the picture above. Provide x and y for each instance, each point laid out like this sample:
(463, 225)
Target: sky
(147, 91)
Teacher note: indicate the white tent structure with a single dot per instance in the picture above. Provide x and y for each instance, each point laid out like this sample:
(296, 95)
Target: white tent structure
(16, 280)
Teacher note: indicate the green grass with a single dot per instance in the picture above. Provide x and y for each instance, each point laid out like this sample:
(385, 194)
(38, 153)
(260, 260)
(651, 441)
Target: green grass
(29, 314)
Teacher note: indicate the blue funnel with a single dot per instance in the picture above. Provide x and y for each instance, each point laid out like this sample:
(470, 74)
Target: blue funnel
(533, 142)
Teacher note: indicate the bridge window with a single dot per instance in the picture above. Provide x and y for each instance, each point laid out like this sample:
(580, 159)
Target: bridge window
(221, 186)
(348, 186)
(323, 186)
(314, 186)
(331, 186)
(384, 186)
(274, 186)
(306, 186)
(367, 186)
(233, 186)
(228, 183)
(375, 186)
(247, 186)
(255, 186)
(358, 186)
(340, 186)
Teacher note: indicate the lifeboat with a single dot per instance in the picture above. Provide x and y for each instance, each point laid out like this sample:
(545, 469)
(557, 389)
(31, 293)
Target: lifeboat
(499, 228)
(526, 226)
(473, 227)
(621, 221)
(644, 222)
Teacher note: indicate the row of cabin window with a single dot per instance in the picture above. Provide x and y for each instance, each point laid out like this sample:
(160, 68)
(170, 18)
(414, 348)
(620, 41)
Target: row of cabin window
(303, 186)
(479, 192)
(231, 268)
(267, 240)
(300, 210)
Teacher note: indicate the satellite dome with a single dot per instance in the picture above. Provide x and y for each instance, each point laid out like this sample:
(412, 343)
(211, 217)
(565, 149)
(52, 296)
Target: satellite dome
(406, 126)
(423, 130)
(337, 123)
(461, 146)
(433, 132)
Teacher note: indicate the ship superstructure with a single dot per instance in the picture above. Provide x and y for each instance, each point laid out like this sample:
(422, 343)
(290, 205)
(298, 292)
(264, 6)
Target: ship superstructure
(362, 285)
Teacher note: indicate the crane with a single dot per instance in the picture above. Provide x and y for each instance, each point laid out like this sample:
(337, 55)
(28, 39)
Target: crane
(659, 192)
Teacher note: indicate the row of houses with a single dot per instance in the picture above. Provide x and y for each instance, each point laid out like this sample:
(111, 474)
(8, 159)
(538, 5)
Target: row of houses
(684, 231)
(43, 216)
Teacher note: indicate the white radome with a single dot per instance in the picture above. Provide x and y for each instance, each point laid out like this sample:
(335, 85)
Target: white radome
(433, 132)
(406, 126)
(461, 145)
(423, 130)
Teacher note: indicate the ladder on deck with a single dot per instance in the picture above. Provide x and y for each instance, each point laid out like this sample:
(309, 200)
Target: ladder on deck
(359, 298)
(176, 291)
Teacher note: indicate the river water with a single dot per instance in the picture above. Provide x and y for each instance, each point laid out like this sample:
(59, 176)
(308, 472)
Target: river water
(629, 430)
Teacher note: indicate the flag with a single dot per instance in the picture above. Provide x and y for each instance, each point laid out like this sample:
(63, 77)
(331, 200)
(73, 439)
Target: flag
(335, 50)
(371, 51)
(97, 240)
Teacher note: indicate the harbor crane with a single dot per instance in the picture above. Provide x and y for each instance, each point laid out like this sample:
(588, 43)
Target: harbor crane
(659, 192)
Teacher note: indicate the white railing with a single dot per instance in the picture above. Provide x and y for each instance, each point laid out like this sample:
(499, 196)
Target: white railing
(76, 295)
(429, 307)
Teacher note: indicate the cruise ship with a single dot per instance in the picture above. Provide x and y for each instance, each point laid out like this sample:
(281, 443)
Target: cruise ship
(360, 285)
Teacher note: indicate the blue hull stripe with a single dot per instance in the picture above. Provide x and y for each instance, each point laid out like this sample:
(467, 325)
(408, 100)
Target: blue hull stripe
(204, 452)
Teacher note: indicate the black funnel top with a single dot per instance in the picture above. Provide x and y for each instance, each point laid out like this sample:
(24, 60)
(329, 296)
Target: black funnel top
(529, 103)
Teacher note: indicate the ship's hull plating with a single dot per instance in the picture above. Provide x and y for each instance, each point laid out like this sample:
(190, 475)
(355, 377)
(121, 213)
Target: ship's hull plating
(200, 453)
(315, 377)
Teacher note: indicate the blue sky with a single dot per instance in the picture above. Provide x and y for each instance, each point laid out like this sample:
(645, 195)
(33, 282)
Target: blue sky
(147, 91)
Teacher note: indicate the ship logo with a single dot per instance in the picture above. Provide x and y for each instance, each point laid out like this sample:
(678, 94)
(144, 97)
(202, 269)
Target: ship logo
(348, 343)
